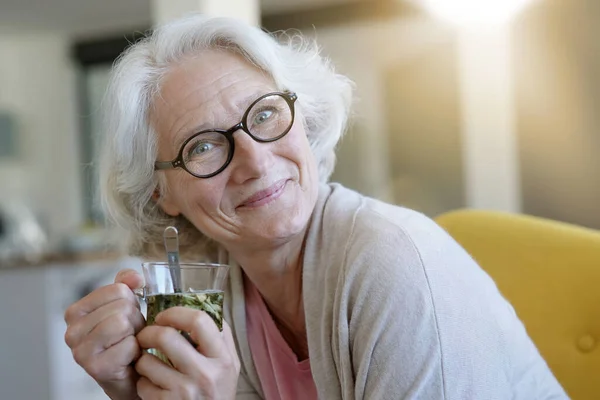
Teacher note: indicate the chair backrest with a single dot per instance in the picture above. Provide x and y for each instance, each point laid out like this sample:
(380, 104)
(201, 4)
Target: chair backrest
(550, 272)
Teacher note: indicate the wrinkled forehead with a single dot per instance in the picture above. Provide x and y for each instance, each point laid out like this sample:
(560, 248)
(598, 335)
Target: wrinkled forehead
(214, 87)
(210, 74)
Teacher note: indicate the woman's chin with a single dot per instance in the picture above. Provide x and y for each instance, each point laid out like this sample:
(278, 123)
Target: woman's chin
(277, 227)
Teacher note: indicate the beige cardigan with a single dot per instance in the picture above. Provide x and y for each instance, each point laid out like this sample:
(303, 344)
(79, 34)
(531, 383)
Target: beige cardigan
(396, 309)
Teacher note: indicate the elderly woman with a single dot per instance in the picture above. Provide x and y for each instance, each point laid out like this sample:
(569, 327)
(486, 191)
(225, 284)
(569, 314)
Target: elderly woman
(220, 130)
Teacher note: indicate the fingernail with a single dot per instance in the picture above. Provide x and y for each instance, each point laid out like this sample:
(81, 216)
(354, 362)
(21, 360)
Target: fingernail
(124, 273)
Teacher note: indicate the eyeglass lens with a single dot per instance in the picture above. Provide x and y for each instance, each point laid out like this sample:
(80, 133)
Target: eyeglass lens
(267, 120)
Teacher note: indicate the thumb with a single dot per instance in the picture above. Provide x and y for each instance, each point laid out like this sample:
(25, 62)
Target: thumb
(227, 335)
(230, 344)
(130, 277)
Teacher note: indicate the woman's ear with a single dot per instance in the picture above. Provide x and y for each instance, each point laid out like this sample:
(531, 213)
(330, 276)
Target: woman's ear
(166, 203)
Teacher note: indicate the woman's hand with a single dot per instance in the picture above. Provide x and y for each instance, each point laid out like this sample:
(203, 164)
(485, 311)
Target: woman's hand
(101, 331)
(208, 372)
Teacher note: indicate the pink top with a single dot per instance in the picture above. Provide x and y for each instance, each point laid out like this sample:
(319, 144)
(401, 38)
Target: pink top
(281, 375)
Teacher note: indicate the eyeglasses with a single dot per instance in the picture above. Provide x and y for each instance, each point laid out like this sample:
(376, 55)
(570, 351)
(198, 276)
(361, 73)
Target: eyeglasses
(209, 152)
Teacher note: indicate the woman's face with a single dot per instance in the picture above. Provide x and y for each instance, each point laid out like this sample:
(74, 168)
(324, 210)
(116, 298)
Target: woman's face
(267, 193)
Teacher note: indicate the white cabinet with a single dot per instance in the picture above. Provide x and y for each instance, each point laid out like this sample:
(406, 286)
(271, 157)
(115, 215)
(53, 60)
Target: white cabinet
(35, 362)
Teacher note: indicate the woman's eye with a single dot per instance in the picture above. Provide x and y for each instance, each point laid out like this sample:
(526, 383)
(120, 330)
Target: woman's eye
(262, 116)
(201, 148)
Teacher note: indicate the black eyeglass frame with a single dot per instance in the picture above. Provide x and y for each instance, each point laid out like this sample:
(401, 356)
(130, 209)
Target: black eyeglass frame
(289, 97)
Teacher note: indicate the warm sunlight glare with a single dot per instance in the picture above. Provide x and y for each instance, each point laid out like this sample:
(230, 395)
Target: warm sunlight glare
(475, 12)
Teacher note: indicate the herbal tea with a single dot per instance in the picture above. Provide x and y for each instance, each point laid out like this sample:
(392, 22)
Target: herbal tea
(210, 301)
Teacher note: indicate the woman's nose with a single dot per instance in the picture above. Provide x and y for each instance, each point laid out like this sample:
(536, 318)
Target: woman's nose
(251, 159)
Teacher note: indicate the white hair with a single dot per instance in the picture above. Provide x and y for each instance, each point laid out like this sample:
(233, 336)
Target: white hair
(127, 177)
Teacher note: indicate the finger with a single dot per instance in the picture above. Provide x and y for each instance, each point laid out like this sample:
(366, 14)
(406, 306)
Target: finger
(130, 314)
(113, 364)
(106, 334)
(199, 324)
(97, 299)
(149, 391)
(130, 277)
(126, 352)
(116, 327)
(172, 344)
(157, 371)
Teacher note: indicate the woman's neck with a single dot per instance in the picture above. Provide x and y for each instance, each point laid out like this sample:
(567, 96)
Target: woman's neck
(277, 274)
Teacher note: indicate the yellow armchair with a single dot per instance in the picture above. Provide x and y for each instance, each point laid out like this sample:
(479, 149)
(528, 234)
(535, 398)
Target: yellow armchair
(550, 272)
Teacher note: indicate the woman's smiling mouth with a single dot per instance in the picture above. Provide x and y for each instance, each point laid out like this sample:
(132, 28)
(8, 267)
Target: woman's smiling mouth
(265, 196)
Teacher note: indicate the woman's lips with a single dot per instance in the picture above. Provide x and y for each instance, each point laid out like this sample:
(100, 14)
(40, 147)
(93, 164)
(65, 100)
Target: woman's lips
(265, 196)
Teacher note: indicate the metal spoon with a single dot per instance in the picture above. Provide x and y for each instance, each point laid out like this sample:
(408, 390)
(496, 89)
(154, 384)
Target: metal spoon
(171, 239)
(172, 247)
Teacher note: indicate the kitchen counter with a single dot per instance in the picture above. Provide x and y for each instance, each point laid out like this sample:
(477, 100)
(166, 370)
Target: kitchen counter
(64, 258)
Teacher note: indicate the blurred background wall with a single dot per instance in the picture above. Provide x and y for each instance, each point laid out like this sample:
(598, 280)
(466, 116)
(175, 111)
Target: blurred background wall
(444, 118)
(557, 96)
(38, 93)
(404, 144)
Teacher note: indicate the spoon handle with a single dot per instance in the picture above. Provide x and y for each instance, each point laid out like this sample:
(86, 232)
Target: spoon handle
(171, 240)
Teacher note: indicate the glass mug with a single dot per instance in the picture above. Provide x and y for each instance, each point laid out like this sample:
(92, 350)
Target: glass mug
(201, 287)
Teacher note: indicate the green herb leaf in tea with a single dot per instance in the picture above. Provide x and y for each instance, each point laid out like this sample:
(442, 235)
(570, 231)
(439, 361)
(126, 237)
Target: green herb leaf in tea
(211, 302)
